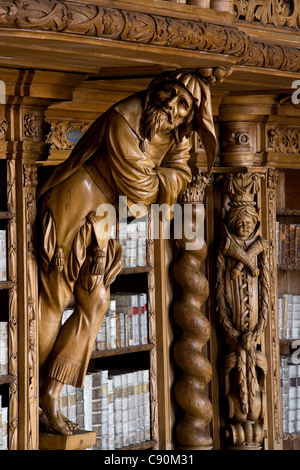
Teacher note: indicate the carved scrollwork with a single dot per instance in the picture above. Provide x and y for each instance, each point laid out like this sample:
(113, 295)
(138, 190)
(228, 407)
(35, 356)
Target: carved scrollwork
(273, 12)
(3, 127)
(144, 28)
(284, 140)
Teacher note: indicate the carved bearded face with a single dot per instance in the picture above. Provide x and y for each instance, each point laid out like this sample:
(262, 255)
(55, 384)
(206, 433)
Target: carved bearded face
(171, 106)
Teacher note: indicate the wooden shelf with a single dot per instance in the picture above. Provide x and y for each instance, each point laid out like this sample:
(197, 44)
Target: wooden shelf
(291, 441)
(119, 351)
(6, 215)
(136, 270)
(7, 379)
(7, 284)
(288, 212)
(288, 267)
(141, 446)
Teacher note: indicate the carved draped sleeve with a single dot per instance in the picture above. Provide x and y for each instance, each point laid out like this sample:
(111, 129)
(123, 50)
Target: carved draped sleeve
(136, 174)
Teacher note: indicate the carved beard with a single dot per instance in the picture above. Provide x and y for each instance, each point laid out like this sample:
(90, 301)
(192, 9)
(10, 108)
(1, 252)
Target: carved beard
(155, 120)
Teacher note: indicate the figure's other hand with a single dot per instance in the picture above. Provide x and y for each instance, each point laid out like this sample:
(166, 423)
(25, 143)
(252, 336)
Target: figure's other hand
(235, 273)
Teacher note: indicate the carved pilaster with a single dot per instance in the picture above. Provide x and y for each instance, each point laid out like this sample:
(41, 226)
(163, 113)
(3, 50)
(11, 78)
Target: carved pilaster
(196, 369)
(13, 307)
(243, 299)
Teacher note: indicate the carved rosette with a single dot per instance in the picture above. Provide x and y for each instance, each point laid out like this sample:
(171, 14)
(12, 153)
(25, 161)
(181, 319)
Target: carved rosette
(238, 147)
(243, 296)
(195, 332)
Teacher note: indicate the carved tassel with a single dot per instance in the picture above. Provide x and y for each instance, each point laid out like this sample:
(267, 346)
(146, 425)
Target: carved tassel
(58, 259)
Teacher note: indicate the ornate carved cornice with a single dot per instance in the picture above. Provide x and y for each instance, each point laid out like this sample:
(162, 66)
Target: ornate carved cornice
(148, 29)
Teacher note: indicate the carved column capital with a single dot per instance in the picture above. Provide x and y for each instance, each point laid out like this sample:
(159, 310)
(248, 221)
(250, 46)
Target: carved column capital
(195, 191)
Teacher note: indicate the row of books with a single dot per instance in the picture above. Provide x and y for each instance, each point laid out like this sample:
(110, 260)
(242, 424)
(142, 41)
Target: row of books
(288, 244)
(3, 256)
(125, 323)
(133, 239)
(290, 394)
(3, 348)
(3, 426)
(113, 403)
(289, 316)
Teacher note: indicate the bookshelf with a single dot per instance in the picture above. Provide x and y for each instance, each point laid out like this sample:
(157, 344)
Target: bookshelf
(288, 261)
(122, 373)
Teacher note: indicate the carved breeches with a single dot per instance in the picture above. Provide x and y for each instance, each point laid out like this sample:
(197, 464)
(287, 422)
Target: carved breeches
(65, 350)
(87, 274)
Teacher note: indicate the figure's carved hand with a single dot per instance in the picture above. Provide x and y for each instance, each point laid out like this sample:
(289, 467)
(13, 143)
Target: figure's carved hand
(248, 340)
(255, 271)
(235, 273)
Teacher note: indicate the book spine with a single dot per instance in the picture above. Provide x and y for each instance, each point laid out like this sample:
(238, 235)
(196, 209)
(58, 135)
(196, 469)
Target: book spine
(277, 243)
(146, 396)
(3, 256)
(96, 405)
(292, 244)
(71, 394)
(87, 401)
(4, 428)
(102, 417)
(3, 348)
(280, 317)
(282, 244)
(286, 252)
(292, 398)
(297, 246)
(131, 409)
(125, 432)
(118, 410)
(296, 316)
(111, 414)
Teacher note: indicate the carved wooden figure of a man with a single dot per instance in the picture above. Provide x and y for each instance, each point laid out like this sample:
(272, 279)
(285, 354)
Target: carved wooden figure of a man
(139, 149)
(242, 295)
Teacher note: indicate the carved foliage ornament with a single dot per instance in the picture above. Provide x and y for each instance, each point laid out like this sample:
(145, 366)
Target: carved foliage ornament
(64, 135)
(275, 12)
(142, 28)
(284, 140)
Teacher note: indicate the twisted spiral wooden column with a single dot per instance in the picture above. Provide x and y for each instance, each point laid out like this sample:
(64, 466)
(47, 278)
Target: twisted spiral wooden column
(196, 369)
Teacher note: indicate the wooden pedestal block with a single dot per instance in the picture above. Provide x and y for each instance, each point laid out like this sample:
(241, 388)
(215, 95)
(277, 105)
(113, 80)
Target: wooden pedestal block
(78, 441)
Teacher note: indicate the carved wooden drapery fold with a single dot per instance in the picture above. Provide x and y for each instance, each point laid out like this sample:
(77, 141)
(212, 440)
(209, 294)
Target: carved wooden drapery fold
(195, 332)
(243, 296)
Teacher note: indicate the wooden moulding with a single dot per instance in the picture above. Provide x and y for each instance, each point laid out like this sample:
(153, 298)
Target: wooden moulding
(80, 440)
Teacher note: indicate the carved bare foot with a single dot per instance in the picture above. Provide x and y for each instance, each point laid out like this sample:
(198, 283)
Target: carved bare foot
(71, 425)
(49, 403)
